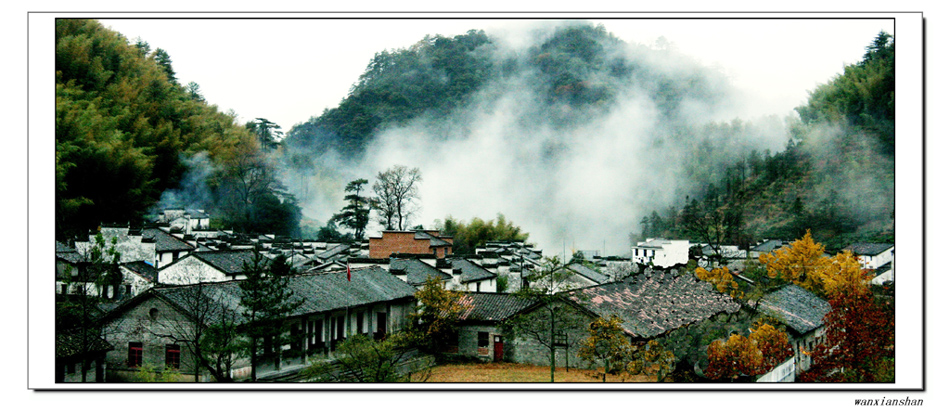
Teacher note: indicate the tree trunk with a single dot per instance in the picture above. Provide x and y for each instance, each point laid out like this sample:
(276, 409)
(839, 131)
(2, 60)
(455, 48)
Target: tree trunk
(553, 348)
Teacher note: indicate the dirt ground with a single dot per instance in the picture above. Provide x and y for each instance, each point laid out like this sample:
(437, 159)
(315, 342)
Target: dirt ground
(516, 373)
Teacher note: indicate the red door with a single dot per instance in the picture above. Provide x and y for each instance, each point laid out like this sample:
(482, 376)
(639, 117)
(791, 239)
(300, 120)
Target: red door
(499, 348)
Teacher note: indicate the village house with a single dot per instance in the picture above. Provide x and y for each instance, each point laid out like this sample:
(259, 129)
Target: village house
(416, 271)
(875, 256)
(208, 266)
(660, 252)
(651, 305)
(137, 276)
(803, 314)
(766, 247)
(411, 242)
(187, 221)
(469, 276)
(72, 350)
(481, 334)
(581, 275)
(152, 329)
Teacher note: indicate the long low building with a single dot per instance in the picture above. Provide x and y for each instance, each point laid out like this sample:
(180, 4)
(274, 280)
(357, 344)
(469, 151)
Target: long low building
(156, 329)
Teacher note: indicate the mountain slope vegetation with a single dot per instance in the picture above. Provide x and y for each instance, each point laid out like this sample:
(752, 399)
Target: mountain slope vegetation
(127, 133)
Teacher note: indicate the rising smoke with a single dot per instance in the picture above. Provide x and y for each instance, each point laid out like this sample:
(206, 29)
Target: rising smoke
(573, 176)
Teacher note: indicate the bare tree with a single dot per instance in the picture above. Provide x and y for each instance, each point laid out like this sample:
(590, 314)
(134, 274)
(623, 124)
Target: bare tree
(396, 194)
(556, 323)
(205, 327)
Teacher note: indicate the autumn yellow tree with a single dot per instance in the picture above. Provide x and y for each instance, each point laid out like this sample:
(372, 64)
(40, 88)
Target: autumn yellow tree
(606, 345)
(652, 359)
(721, 278)
(764, 348)
(803, 262)
(844, 272)
(772, 343)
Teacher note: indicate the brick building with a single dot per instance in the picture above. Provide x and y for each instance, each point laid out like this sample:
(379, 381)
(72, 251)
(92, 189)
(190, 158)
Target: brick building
(409, 242)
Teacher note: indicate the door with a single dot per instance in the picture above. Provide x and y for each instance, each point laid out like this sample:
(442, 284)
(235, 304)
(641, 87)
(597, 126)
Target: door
(499, 348)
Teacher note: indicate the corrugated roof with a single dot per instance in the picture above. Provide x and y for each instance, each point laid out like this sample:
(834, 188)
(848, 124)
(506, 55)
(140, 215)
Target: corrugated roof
(795, 307)
(492, 307)
(654, 302)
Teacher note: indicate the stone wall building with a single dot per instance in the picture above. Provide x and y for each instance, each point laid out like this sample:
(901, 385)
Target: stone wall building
(156, 328)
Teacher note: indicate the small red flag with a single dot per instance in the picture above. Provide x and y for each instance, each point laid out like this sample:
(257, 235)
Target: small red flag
(347, 270)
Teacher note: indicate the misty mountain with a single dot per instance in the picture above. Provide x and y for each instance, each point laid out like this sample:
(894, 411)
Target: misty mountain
(834, 177)
(571, 132)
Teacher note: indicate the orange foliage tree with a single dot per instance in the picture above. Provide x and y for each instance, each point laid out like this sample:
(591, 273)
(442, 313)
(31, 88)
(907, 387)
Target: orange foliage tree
(764, 348)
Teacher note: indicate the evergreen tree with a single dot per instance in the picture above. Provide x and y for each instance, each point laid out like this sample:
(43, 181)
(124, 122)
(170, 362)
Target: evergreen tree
(355, 215)
(266, 301)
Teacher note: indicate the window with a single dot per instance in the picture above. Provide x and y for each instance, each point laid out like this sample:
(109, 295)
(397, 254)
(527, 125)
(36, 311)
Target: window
(172, 356)
(483, 339)
(359, 322)
(135, 354)
(128, 289)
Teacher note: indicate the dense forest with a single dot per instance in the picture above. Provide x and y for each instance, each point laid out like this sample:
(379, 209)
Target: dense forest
(834, 177)
(131, 139)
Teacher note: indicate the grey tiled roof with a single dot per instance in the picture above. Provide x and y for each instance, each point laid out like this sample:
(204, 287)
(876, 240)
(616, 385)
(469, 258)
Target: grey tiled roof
(492, 307)
(229, 262)
(866, 248)
(470, 271)
(588, 273)
(433, 240)
(71, 344)
(165, 242)
(883, 269)
(142, 268)
(333, 251)
(795, 307)
(769, 245)
(320, 292)
(416, 271)
(653, 303)
(653, 243)
(71, 257)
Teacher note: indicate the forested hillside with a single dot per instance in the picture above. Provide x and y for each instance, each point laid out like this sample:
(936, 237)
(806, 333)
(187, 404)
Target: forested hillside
(835, 175)
(130, 138)
(574, 133)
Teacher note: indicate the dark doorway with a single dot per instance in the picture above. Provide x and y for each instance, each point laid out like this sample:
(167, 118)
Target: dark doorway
(499, 348)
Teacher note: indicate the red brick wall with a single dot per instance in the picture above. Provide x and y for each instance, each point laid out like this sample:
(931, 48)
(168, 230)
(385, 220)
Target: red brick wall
(404, 243)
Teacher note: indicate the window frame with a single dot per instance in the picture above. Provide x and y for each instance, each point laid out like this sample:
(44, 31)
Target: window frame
(486, 340)
(173, 356)
(136, 354)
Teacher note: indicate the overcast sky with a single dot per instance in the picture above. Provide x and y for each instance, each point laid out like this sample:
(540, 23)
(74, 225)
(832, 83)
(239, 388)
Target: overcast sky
(289, 70)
